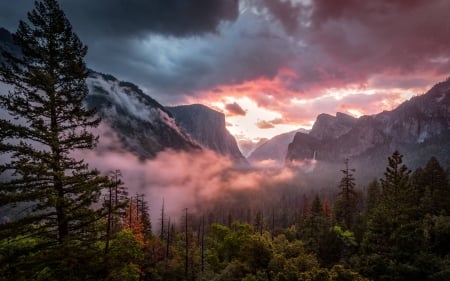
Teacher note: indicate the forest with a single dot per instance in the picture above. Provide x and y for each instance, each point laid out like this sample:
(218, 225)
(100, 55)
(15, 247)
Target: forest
(67, 221)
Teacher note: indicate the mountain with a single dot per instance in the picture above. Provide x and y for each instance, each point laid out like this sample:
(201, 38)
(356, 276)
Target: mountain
(274, 149)
(207, 127)
(143, 126)
(328, 126)
(418, 128)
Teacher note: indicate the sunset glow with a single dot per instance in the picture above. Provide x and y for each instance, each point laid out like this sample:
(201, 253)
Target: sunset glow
(269, 66)
(269, 107)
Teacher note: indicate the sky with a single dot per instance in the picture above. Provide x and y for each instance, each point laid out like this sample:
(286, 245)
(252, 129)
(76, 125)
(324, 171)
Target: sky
(270, 66)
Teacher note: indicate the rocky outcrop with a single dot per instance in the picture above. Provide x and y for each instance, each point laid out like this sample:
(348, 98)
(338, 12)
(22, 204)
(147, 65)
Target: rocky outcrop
(332, 127)
(207, 127)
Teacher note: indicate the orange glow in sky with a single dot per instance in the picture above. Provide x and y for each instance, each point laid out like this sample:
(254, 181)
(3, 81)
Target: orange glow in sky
(270, 107)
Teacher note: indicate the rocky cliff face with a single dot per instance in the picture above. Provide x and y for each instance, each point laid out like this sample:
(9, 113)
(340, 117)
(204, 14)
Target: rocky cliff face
(418, 128)
(328, 126)
(207, 127)
(143, 126)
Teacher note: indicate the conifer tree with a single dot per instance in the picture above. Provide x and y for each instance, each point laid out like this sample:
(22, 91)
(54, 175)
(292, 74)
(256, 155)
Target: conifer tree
(393, 223)
(435, 184)
(315, 225)
(395, 183)
(51, 192)
(115, 204)
(346, 203)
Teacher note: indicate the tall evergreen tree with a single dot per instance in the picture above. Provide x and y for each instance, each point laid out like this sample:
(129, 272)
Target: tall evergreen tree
(115, 203)
(315, 224)
(346, 203)
(434, 181)
(48, 123)
(392, 239)
(396, 177)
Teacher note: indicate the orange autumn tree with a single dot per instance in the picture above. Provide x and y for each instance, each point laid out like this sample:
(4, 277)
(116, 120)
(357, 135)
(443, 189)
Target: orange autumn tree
(137, 218)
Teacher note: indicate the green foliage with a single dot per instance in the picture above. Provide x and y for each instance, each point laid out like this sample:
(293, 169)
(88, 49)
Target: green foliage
(433, 185)
(124, 257)
(340, 273)
(405, 238)
(225, 244)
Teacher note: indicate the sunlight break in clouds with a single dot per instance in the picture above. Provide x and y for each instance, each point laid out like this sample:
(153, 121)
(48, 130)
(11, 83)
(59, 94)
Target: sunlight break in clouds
(274, 106)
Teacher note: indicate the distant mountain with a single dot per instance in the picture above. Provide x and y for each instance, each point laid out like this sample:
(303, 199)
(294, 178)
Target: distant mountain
(207, 127)
(143, 125)
(248, 146)
(418, 128)
(274, 149)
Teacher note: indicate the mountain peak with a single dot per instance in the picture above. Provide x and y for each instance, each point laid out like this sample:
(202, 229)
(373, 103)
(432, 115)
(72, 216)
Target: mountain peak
(345, 117)
(330, 127)
(207, 127)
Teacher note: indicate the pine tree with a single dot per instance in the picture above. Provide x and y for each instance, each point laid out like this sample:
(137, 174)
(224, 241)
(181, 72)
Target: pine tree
(315, 224)
(435, 182)
(119, 200)
(346, 203)
(396, 177)
(393, 225)
(50, 192)
(115, 203)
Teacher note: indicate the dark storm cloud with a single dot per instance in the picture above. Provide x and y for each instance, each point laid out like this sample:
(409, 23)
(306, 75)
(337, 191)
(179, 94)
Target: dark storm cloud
(127, 18)
(174, 68)
(382, 36)
(124, 18)
(177, 48)
(350, 41)
(235, 109)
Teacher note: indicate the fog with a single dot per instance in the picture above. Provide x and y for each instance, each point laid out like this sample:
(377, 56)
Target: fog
(198, 180)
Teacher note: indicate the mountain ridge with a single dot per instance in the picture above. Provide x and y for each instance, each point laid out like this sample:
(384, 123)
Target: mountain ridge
(419, 128)
(143, 125)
